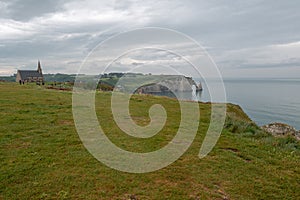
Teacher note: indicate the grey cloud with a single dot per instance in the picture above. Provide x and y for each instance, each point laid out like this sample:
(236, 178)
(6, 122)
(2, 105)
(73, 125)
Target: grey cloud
(236, 24)
(24, 10)
(293, 62)
(63, 32)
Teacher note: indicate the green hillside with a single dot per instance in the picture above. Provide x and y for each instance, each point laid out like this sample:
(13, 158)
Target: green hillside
(42, 156)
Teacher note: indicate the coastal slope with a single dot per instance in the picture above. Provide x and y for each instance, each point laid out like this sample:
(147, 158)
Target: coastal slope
(42, 156)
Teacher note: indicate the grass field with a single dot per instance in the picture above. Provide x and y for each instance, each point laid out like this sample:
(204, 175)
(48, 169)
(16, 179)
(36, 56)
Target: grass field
(42, 156)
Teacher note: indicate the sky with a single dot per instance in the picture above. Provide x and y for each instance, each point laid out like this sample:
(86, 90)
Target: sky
(245, 39)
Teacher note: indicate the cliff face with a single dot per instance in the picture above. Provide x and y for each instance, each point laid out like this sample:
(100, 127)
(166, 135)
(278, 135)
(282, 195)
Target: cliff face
(176, 83)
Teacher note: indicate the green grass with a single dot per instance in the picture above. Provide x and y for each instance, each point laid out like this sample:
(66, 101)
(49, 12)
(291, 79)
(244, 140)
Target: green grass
(42, 156)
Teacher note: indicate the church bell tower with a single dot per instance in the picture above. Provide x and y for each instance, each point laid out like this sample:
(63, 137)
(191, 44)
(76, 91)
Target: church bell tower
(39, 67)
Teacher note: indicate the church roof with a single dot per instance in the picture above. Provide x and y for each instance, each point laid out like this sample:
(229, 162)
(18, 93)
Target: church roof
(25, 74)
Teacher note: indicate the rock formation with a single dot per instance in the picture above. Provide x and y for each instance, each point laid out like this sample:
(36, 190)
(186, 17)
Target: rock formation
(176, 83)
(280, 129)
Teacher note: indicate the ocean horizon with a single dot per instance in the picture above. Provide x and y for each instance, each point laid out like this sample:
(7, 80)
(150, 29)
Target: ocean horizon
(264, 100)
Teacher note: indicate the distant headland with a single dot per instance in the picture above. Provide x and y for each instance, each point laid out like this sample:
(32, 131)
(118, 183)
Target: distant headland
(147, 83)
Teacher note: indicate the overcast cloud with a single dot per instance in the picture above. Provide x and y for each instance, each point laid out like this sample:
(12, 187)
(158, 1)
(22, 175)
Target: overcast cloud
(258, 38)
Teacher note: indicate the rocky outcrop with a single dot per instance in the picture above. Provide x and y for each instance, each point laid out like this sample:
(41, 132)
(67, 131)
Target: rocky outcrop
(176, 83)
(280, 129)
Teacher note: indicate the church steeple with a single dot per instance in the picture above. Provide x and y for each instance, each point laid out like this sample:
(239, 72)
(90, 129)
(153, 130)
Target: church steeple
(39, 67)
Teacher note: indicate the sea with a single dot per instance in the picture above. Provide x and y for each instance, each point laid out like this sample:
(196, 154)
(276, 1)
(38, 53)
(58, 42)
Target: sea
(264, 100)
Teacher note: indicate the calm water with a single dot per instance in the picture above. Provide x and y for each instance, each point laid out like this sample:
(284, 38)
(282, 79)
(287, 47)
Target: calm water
(265, 101)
